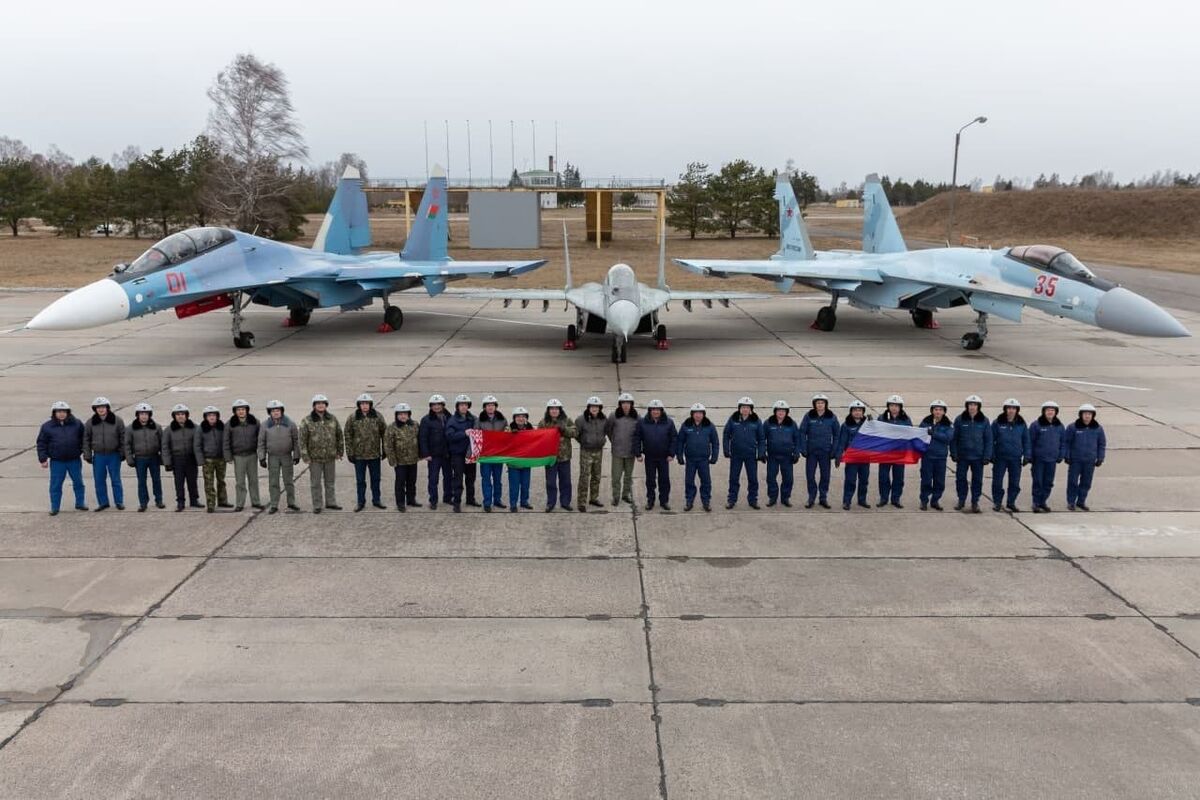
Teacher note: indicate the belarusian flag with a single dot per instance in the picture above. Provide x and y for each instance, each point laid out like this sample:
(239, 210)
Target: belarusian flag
(536, 447)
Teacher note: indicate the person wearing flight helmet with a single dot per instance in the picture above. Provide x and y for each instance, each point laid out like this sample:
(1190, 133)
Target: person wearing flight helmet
(744, 444)
(241, 448)
(891, 476)
(60, 450)
(103, 446)
(1085, 447)
(459, 444)
(143, 452)
(278, 454)
(519, 477)
(403, 452)
(697, 448)
(1048, 439)
(209, 444)
(933, 462)
(654, 443)
(819, 430)
(590, 426)
(492, 475)
(558, 474)
(322, 445)
(619, 430)
(434, 450)
(1012, 449)
(971, 450)
(784, 446)
(363, 432)
(179, 456)
(857, 476)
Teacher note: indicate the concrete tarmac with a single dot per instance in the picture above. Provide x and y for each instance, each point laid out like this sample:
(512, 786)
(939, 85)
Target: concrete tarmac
(621, 653)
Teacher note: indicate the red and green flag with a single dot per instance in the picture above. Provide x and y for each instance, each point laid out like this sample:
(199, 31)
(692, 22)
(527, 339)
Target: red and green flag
(536, 447)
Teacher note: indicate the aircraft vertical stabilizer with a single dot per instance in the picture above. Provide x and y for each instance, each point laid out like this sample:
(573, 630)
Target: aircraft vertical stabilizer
(345, 229)
(881, 234)
(793, 234)
(430, 230)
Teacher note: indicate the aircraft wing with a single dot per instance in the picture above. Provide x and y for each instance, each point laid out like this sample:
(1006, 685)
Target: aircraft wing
(590, 298)
(777, 270)
(402, 270)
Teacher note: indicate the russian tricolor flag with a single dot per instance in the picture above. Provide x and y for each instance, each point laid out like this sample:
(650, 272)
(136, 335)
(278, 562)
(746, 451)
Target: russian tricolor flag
(884, 443)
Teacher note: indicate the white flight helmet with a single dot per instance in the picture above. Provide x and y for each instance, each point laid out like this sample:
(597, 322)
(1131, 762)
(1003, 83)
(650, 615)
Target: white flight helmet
(101, 401)
(143, 406)
(1087, 407)
(239, 403)
(180, 408)
(463, 398)
(778, 404)
(974, 398)
(1050, 404)
(897, 399)
(274, 404)
(937, 404)
(655, 403)
(554, 402)
(320, 398)
(60, 405)
(402, 407)
(490, 398)
(745, 401)
(699, 407)
(434, 399)
(624, 397)
(857, 404)
(1012, 401)
(819, 396)
(365, 398)
(211, 410)
(595, 401)
(520, 411)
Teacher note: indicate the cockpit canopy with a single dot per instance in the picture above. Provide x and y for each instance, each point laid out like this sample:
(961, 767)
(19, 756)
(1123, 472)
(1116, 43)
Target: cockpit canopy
(179, 247)
(1057, 261)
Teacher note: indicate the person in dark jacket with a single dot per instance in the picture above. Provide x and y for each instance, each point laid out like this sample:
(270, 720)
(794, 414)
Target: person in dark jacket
(104, 449)
(933, 463)
(891, 476)
(1012, 449)
(179, 456)
(857, 475)
(60, 449)
(619, 430)
(1048, 441)
(490, 419)
(241, 448)
(784, 446)
(458, 442)
(1086, 446)
(364, 432)
(519, 478)
(818, 439)
(143, 452)
(654, 443)
(971, 450)
(592, 429)
(697, 448)
(434, 450)
(744, 444)
(558, 474)
(210, 455)
(400, 446)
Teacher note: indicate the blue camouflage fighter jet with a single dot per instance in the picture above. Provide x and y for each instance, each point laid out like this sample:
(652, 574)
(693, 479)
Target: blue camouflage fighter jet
(886, 274)
(204, 269)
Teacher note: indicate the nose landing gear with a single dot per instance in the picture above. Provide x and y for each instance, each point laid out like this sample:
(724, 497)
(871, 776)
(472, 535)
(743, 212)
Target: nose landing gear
(618, 350)
(242, 340)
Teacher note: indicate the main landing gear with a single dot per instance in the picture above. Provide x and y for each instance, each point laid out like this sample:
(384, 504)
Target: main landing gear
(827, 315)
(393, 317)
(297, 317)
(572, 340)
(618, 350)
(661, 342)
(243, 340)
(923, 318)
(974, 341)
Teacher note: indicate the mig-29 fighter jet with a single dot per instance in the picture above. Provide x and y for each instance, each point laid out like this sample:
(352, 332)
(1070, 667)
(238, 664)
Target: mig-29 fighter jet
(886, 274)
(204, 269)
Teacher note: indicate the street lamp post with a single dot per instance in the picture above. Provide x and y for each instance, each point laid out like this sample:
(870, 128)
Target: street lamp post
(954, 178)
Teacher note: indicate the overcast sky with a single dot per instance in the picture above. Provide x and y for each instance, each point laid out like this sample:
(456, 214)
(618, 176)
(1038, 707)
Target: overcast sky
(638, 88)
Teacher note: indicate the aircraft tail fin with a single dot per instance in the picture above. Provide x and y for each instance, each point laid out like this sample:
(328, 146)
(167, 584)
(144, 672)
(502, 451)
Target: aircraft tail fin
(881, 234)
(345, 229)
(567, 258)
(430, 231)
(794, 244)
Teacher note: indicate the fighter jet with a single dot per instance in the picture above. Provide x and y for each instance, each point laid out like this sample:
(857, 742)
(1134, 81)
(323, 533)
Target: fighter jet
(886, 274)
(621, 305)
(204, 269)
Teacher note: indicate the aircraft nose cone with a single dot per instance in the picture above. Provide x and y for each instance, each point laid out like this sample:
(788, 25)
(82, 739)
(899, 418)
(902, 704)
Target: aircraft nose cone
(97, 303)
(623, 317)
(1126, 312)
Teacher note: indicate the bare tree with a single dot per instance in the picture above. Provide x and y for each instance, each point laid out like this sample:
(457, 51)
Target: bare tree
(349, 160)
(254, 125)
(123, 159)
(13, 150)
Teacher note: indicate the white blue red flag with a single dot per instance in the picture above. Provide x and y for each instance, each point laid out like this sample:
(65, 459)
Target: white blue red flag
(884, 443)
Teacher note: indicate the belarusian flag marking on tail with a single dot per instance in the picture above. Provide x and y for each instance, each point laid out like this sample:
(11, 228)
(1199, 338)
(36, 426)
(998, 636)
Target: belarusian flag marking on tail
(536, 447)
(432, 212)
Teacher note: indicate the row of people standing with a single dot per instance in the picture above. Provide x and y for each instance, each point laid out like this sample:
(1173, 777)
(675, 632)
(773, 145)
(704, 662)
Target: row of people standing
(441, 440)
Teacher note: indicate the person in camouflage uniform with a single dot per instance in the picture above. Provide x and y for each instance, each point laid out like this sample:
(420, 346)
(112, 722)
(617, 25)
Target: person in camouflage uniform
(558, 474)
(322, 445)
(591, 426)
(403, 452)
(210, 455)
(364, 433)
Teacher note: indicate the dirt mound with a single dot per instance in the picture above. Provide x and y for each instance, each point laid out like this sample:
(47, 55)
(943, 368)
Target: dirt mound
(1063, 213)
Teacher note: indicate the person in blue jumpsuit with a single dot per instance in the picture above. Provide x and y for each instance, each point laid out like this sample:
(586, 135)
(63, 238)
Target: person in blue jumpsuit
(697, 448)
(60, 450)
(891, 476)
(971, 450)
(818, 439)
(857, 475)
(933, 463)
(519, 477)
(1048, 440)
(1086, 446)
(783, 451)
(1011, 450)
(744, 445)
(654, 444)
(458, 442)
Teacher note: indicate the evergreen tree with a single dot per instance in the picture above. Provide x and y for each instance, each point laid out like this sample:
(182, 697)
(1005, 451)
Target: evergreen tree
(21, 188)
(688, 201)
(735, 192)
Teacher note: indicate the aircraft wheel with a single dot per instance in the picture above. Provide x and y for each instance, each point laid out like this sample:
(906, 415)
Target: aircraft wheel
(393, 316)
(826, 318)
(660, 333)
(922, 317)
(622, 354)
(972, 341)
(244, 340)
(572, 333)
(299, 316)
